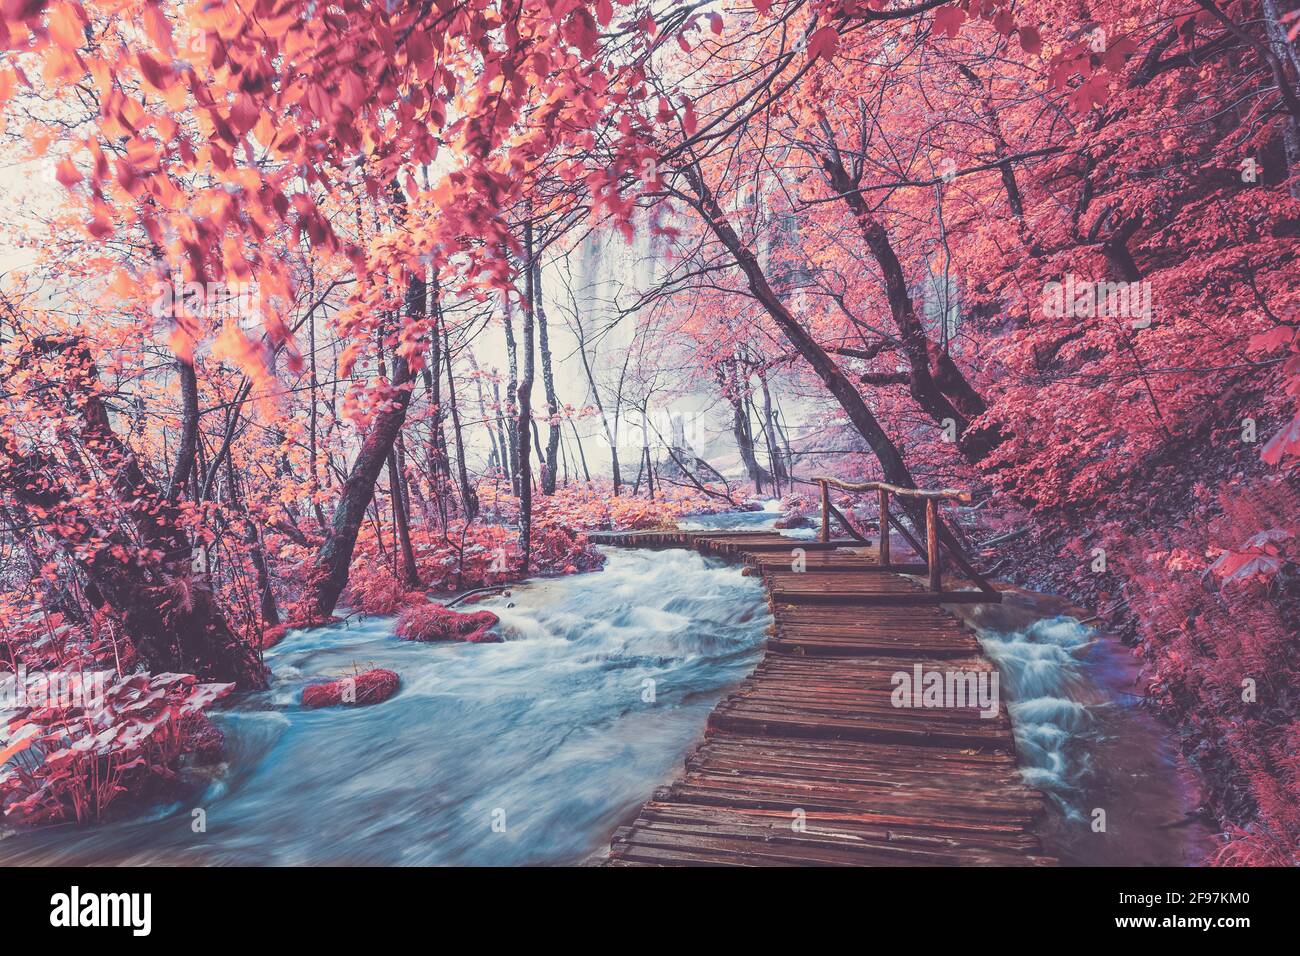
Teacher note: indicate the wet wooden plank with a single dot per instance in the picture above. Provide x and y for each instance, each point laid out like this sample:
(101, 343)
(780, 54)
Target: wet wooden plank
(732, 543)
(839, 561)
(776, 544)
(810, 763)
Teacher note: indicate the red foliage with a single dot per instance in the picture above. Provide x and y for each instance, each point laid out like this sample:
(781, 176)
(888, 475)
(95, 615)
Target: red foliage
(434, 622)
(72, 762)
(990, 152)
(1217, 631)
(483, 555)
(274, 635)
(370, 687)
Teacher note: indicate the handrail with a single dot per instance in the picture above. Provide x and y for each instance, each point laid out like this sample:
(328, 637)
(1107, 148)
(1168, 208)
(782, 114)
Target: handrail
(954, 493)
(936, 534)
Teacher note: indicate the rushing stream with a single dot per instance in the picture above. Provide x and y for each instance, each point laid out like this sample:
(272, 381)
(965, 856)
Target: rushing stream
(1084, 739)
(532, 751)
(554, 735)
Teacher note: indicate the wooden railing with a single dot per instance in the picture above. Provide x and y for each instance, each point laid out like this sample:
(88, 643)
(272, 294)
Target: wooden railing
(937, 535)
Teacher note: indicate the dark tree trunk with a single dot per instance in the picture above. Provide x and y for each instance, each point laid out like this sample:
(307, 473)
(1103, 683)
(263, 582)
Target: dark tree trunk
(334, 559)
(437, 457)
(779, 474)
(1118, 255)
(503, 436)
(410, 573)
(548, 382)
(649, 474)
(256, 553)
(468, 498)
(934, 380)
(525, 403)
(189, 442)
(497, 460)
(729, 380)
(517, 450)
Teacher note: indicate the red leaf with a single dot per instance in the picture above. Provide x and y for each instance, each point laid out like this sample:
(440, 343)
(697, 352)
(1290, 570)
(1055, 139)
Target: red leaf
(580, 30)
(1285, 442)
(949, 19)
(67, 174)
(159, 28)
(824, 43)
(66, 26)
(1094, 91)
(1030, 41)
(1269, 341)
(1118, 52)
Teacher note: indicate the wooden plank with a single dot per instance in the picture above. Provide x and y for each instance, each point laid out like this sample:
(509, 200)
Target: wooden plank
(777, 544)
(826, 587)
(840, 561)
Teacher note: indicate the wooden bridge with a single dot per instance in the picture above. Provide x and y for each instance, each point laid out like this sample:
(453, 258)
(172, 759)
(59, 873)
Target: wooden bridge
(809, 762)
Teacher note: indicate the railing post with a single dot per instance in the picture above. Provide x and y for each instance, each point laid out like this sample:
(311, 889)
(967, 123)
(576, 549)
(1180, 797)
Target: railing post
(884, 528)
(826, 511)
(932, 541)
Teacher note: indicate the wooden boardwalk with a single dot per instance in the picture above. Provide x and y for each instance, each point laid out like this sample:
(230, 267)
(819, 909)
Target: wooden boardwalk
(808, 762)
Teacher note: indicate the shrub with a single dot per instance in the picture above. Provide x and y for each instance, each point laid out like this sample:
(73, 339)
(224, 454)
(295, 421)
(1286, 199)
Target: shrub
(61, 763)
(434, 622)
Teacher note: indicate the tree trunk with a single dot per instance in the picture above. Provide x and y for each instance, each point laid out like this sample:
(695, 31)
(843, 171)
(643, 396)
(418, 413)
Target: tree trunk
(729, 379)
(512, 390)
(934, 380)
(649, 474)
(333, 561)
(312, 425)
(548, 381)
(436, 453)
(410, 573)
(525, 404)
(1286, 55)
(503, 433)
(468, 498)
(189, 442)
(779, 475)
(256, 553)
